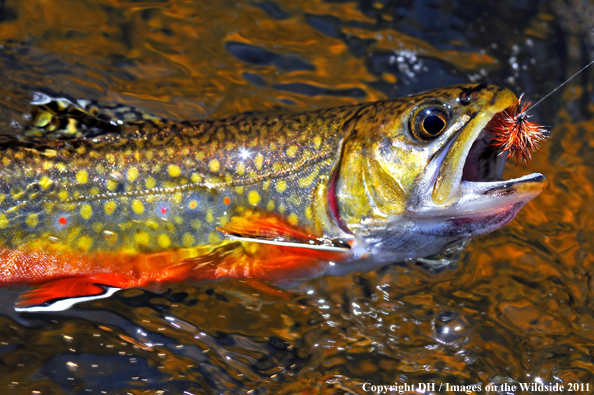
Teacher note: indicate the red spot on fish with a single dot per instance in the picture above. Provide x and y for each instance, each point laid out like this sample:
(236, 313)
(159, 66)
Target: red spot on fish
(163, 210)
(227, 200)
(193, 204)
(63, 221)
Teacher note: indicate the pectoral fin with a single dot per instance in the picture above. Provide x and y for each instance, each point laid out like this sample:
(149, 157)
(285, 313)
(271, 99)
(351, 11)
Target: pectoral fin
(276, 231)
(272, 262)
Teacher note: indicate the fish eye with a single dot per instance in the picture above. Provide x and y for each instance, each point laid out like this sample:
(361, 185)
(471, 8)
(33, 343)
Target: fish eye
(429, 122)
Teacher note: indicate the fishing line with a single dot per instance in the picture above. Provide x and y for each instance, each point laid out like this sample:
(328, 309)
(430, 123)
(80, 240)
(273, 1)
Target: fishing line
(514, 134)
(557, 88)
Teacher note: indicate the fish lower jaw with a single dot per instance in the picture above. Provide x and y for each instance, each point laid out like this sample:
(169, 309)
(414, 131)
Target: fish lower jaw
(476, 199)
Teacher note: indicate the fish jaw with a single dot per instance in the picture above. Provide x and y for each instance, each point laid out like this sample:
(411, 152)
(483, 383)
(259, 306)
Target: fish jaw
(463, 191)
(451, 162)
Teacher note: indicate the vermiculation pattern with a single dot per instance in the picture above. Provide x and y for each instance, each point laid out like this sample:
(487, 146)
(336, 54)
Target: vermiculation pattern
(154, 184)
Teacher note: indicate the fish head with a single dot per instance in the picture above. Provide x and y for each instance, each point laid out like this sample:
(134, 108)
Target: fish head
(418, 173)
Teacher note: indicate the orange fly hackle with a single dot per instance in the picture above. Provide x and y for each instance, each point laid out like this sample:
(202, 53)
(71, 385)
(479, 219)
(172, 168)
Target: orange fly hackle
(512, 132)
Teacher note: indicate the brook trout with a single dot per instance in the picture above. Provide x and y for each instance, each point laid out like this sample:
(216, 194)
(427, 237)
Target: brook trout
(107, 198)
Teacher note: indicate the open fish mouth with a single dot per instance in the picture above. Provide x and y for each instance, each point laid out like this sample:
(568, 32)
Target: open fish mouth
(468, 179)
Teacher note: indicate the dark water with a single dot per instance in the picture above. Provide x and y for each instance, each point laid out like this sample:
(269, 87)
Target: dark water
(517, 308)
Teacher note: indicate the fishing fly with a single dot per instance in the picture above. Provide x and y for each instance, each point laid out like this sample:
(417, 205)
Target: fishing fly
(512, 131)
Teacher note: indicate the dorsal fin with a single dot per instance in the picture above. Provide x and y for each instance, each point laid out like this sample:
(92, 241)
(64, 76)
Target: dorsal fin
(63, 118)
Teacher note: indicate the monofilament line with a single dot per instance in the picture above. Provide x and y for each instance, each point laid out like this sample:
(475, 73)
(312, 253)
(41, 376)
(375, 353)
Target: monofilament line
(566, 81)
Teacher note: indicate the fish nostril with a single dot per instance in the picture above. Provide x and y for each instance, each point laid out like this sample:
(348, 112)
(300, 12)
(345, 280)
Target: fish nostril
(466, 98)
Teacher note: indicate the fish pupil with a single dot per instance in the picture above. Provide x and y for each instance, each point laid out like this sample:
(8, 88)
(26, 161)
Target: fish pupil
(433, 124)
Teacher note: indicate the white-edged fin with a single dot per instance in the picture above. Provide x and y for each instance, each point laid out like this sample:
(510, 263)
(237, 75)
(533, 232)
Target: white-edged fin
(65, 304)
(289, 244)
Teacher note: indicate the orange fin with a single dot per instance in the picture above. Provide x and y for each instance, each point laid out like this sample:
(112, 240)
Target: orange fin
(58, 295)
(276, 231)
(242, 260)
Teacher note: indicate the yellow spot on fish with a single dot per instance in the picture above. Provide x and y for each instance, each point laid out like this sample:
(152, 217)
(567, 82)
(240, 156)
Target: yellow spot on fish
(17, 192)
(132, 174)
(45, 182)
(307, 181)
(150, 182)
(32, 220)
(196, 224)
(5, 161)
(200, 155)
(259, 161)
(239, 190)
(253, 198)
(149, 154)
(94, 191)
(85, 243)
(196, 178)
(209, 216)
(240, 169)
(223, 220)
(100, 168)
(214, 165)
(3, 221)
(188, 240)
(86, 211)
(282, 208)
(109, 207)
(308, 213)
(317, 142)
(47, 165)
(111, 184)
(270, 205)
(293, 219)
(2, 197)
(266, 185)
(292, 151)
(142, 238)
(213, 237)
(137, 206)
(163, 241)
(82, 177)
(50, 152)
(276, 166)
(281, 186)
(63, 194)
(174, 170)
(177, 197)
